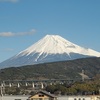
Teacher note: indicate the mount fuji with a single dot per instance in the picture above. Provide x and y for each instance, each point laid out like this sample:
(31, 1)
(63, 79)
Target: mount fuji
(51, 48)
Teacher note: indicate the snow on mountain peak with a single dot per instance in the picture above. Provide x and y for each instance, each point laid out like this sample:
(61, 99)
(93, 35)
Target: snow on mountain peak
(51, 48)
(55, 44)
(52, 44)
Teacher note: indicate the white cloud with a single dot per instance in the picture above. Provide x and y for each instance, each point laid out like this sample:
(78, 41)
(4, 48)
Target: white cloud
(11, 34)
(6, 34)
(13, 1)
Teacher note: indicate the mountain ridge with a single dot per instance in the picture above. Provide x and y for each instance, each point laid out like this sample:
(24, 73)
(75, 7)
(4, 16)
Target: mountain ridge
(55, 70)
(56, 42)
(51, 48)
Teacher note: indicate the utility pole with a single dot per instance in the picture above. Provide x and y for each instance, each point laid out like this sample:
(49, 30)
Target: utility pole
(83, 75)
(2, 86)
(99, 91)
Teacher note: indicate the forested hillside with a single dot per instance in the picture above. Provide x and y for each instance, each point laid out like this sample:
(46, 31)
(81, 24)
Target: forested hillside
(57, 70)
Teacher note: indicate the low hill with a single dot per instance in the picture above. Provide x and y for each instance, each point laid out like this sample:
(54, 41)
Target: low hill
(57, 70)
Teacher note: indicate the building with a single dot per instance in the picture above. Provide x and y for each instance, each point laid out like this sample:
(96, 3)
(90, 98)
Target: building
(95, 97)
(42, 95)
(74, 97)
(14, 97)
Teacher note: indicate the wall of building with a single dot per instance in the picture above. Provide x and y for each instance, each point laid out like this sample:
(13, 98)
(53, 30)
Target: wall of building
(95, 97)
(74, 98)
(25, 97)
(39, 96)
(20, 97)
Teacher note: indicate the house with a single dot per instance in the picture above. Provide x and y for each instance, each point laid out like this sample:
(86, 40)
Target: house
(14, 97)
(42, 95)
(74, 97)
(95, 97)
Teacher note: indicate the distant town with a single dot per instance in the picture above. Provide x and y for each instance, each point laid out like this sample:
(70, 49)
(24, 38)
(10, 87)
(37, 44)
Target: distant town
(66, 89)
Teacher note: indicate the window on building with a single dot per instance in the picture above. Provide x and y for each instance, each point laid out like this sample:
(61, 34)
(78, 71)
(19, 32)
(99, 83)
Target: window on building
(41, 95)
(17, 99)
(79, 99)
(35, 99)
(40, 98)
(46, 98)
(75, 99)
(83, 98)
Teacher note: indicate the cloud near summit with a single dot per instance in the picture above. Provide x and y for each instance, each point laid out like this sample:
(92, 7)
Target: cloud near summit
(11, 34)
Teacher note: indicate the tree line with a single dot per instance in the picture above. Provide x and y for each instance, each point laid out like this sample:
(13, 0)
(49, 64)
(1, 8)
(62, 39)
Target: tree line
(77, 88)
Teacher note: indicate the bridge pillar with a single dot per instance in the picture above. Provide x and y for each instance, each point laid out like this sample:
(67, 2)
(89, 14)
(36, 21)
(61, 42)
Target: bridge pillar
(33, 85)
(18, 85)
(42, 85)
(10, 85)
(26, 84)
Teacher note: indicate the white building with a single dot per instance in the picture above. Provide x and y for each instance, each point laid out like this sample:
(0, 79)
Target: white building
(26, 97)
(74, 98)
(14, 97)
(95, 97)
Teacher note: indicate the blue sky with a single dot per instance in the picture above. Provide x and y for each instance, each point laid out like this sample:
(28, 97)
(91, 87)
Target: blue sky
(24, 22)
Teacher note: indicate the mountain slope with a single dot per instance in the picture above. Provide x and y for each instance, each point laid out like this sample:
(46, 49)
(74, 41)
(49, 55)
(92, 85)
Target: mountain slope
(54, 44)
(57, 70)
(51, 48)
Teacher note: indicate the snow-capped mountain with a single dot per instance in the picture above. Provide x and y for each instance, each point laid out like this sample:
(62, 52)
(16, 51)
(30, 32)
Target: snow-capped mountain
(51, 48)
